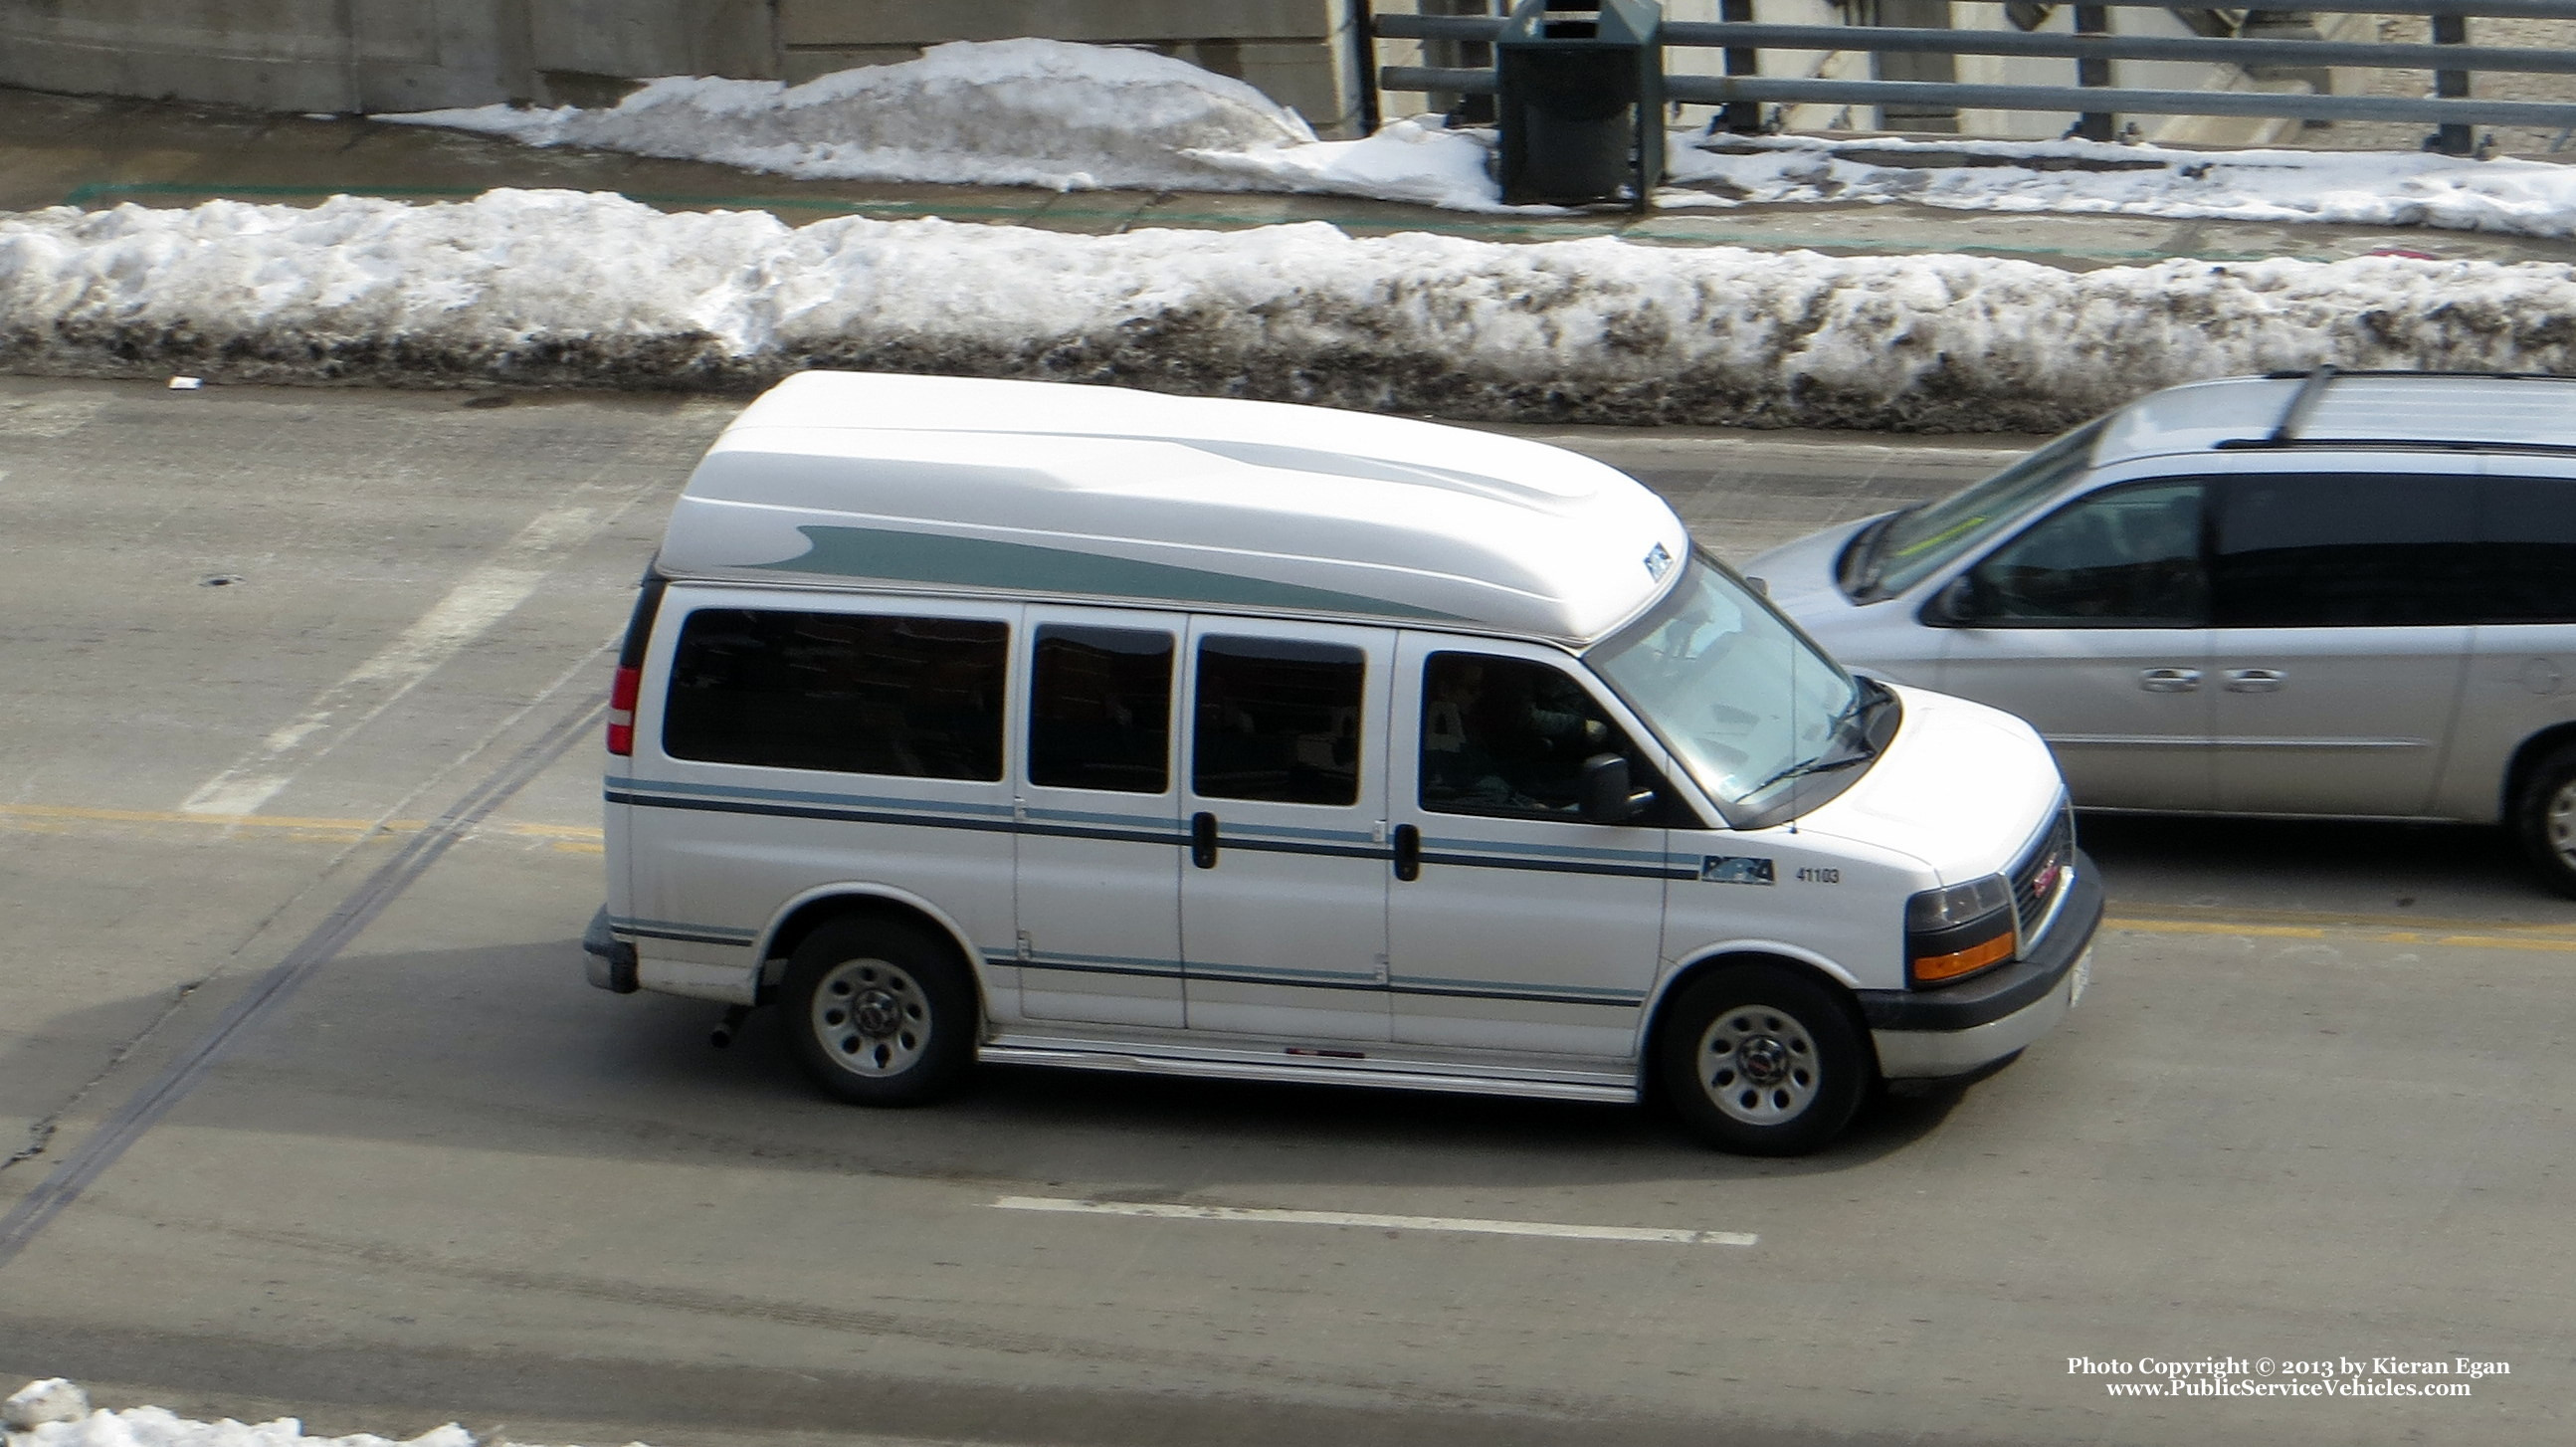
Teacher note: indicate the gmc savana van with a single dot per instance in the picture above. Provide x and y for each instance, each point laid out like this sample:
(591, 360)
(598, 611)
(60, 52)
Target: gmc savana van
(1086, 727)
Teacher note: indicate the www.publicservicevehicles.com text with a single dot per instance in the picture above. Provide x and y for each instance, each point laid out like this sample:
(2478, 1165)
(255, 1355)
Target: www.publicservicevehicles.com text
(2338, 1376)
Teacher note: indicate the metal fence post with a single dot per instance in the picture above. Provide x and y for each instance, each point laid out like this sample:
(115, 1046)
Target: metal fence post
(1743, 117)
(2093, 74)
(2451, 140)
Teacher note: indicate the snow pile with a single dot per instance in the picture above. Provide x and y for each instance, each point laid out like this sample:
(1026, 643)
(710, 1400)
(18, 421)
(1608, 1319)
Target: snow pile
(1075, 117)
(2524, 198)
(1005, 112)
(576, 288)
(55, 1413)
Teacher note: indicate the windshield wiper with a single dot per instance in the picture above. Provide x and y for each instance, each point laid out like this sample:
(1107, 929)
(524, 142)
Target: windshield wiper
(1861, 563)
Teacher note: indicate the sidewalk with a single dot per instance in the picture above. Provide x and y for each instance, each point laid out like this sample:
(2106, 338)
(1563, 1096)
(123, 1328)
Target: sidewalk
(97, 152)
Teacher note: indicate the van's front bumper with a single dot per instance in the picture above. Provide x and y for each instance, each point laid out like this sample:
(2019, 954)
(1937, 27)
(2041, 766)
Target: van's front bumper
(1928, 1034)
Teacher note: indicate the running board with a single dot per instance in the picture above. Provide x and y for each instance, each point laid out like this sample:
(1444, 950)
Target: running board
(1386, 1075)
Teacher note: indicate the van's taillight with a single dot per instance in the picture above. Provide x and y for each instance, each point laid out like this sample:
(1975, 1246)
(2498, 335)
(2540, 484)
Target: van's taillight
(621, 710)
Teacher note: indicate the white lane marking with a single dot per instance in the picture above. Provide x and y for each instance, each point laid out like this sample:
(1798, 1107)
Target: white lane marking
(1387, 1223)
(480, 599)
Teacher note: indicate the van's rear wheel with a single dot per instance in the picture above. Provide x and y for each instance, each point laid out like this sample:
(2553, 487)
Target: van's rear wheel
(1762, 1061)
(2545, 818)
(882, 1013)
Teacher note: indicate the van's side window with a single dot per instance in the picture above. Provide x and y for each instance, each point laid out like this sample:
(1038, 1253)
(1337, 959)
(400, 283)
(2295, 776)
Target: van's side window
(853, 693)
(1507, 736)
(1278, 720)
(2354, 550)
(1100, 709)
(2530, 553)
(2126, 557)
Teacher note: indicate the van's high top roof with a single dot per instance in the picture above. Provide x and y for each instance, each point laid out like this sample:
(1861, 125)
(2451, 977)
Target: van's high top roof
(2359, 411)
(1045, 489)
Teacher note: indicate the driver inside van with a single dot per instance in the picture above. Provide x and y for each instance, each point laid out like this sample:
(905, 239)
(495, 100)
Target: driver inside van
(1504, 735)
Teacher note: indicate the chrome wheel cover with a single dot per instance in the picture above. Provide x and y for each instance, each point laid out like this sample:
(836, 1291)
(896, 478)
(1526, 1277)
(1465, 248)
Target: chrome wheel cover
(2559, 822)
(1758, 1065)
(871, 1017)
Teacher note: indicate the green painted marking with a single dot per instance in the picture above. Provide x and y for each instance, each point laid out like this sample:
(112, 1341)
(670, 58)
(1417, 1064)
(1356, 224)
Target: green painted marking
(1027, 567)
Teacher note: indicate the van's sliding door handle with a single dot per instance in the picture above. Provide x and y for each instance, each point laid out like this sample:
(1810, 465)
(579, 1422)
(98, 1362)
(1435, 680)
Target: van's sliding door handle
(1408, 852)
(2169, 680)
(2255, 680)
(1203, 839)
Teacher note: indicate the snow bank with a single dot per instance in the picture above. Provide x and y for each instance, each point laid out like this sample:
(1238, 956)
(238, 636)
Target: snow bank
(571, 288)
(1004, 113)
(55, 1413)
(1074, 117)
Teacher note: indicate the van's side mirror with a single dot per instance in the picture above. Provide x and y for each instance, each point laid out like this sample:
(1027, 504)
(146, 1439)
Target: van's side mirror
(1959, 604)
(1607, 797)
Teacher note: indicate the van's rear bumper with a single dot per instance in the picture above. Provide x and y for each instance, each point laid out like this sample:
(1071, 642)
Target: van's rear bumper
(1927, 1034)
(608, 961)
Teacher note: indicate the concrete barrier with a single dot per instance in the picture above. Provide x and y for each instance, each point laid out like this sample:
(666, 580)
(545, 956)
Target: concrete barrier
(396, 55)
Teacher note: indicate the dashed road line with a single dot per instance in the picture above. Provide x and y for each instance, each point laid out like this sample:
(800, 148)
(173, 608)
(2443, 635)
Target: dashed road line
(1459, 1224)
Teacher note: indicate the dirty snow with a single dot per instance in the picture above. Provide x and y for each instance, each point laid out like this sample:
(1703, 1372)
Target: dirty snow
(1078, 117)
(559, 287)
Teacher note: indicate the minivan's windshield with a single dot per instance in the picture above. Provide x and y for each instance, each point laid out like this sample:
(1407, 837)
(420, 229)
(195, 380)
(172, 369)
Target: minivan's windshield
(1749, 705)
(1913, 544)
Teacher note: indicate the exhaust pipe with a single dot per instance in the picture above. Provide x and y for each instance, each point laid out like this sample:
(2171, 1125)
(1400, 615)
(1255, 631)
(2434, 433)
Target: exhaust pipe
(729, 1026)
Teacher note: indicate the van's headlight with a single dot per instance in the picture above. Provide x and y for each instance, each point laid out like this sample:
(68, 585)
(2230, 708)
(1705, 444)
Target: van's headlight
(1955, 932)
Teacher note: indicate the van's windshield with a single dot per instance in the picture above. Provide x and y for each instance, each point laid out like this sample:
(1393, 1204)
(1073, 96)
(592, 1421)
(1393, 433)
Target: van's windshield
(1908, 546)
(1750, 706)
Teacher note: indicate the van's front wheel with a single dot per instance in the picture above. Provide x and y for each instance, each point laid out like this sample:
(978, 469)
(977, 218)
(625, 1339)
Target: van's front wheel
(882, 1014)
(1762, 1061)
(2545, 817)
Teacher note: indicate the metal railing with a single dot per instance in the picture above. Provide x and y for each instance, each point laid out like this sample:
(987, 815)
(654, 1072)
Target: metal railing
(2452, 109)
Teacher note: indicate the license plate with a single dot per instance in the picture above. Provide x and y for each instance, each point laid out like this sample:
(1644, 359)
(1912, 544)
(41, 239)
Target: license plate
(2083, 977)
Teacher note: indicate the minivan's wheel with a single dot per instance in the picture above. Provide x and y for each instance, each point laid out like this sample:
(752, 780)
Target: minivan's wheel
(2545, 817)
(881, 1012)
(1762, 1061)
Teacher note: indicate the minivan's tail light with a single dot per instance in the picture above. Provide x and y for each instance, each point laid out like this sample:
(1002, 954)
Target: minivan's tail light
(621, 711)
(1955, 932)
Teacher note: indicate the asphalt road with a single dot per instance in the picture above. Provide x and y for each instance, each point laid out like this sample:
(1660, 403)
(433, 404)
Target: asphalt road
(312, 1113)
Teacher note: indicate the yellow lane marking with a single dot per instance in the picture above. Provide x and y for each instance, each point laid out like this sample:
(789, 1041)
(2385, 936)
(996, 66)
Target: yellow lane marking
(575, 838)
(2548, 944)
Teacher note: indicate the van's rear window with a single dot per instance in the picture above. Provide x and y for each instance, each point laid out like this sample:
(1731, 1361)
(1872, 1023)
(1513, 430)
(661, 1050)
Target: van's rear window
(852, 693)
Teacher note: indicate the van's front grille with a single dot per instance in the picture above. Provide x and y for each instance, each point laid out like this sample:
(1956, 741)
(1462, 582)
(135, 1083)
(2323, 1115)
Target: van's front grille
(2042, 876)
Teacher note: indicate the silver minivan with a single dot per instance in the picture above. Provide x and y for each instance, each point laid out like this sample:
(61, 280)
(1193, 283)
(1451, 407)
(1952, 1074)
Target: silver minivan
(2323, 594)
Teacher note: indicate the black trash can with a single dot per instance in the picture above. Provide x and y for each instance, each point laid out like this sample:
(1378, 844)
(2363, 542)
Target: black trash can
(1582, 102)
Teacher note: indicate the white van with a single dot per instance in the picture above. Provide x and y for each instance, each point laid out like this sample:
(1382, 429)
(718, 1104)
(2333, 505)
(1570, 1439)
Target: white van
(1087, 727)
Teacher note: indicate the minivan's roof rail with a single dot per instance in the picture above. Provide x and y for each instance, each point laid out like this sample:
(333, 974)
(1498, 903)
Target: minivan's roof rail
(2522, 431)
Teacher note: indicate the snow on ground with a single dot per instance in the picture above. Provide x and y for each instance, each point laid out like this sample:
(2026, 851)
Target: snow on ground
(558, 287)
(1054, 113)
(56, 1413)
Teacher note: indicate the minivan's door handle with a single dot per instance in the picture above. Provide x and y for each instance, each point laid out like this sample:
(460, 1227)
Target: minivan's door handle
(1203, 839)
(2255, 680)
(1408, 852)
(2169, 680)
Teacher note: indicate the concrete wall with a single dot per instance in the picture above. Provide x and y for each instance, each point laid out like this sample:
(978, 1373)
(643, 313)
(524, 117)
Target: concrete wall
(378, 55)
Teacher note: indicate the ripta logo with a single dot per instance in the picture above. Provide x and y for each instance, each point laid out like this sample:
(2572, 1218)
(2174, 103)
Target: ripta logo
(1736, 869)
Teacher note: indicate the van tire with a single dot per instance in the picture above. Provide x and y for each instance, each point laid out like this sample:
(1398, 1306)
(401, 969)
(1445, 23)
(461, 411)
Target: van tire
(2544, 818)
(881, 1012)
(1762, 1061)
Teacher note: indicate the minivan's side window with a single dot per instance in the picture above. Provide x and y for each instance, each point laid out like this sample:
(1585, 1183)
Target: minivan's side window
(2345, 550)
(1100, 709)
(1278, 720)
(1507, 736)
(853, 693)
(2126, 557)
(2530, 528)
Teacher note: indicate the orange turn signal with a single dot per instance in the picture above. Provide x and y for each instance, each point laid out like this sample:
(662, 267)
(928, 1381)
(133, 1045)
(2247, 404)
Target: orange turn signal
(1928, 968)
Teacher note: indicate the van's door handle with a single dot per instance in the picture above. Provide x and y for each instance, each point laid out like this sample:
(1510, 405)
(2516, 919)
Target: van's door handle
(1408, 852)
(1203, 839)
(2169, 680)
(2255, 680)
